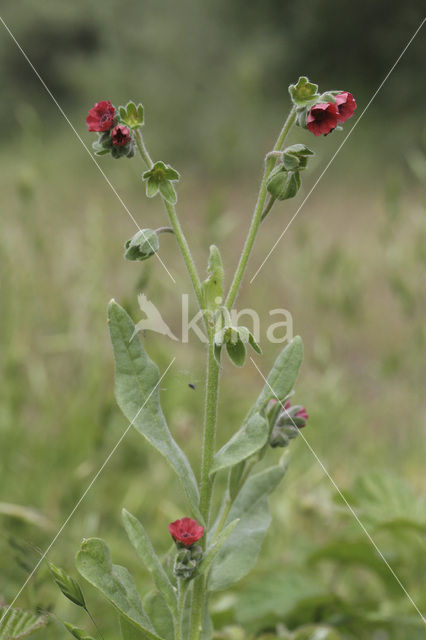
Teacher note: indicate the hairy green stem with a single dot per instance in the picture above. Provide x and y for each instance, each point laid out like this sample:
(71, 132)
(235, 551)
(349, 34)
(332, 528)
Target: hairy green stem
(182, 589)
(258, 212)
(209, 441)
(177, 229)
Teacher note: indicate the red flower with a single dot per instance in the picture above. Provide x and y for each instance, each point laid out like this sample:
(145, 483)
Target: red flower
(120, 135)
(322, 118)
(186, 530)
(346, 105)
(101, 116)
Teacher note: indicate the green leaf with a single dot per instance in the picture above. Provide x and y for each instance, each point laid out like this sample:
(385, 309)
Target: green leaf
(159, 614)
(140, 541)
(216, 546)
(136, 390)
(246, 442)
(240, 551)
(213, 285)
(283, 375)
(16, 624)
(254, 345)
(237, 352)
(68, 585)
(114, 582)
(151, 187)
(168, 192)
(78, 633)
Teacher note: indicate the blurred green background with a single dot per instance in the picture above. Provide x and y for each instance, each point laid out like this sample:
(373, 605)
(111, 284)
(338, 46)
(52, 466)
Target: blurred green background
(213, 78)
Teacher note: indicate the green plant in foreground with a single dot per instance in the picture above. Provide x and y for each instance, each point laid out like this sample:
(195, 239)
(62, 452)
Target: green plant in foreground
(213, 550)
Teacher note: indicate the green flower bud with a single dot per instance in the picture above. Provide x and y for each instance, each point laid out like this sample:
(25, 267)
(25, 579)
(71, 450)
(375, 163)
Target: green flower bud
(278, 437)
(132, 115)
(304, 92)
(187, 561)
(235, 339)
(142, 245)
(283, 184)
(160, 178)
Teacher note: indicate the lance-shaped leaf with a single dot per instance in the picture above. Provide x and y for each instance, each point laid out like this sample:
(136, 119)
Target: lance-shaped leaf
(216, 546)
(16, 624)
(68, 585)
(159, 614)
(77, 632)
(139, 539)
(114, 582)
(246, 442)
(283, 375)
(136, 391)
(239, 553)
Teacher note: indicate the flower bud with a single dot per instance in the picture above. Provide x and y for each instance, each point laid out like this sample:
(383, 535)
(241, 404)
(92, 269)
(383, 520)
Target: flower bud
(142, 245)
(120, 136)
(132, 115)
(287, 425)
(283, 184)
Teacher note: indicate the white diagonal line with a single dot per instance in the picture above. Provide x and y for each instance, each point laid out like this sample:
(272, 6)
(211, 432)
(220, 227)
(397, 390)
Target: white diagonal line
(340, 146)
(343, 498)
(92, 157)
(83, 496)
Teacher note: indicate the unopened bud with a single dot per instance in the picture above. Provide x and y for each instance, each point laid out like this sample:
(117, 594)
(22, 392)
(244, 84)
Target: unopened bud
(142, 246)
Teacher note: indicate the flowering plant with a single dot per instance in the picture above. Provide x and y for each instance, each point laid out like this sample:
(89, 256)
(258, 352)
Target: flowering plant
(211, 551)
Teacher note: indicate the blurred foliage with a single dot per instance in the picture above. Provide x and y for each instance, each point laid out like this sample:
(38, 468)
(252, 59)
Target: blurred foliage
(213, 78)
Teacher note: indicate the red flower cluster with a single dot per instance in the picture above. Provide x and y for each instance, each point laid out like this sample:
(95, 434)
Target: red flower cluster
(325, 116)
(101, 116)
(186, 530)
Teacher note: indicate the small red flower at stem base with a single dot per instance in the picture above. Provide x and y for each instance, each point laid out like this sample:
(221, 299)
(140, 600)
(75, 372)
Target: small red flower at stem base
(322, 118)
(101, 116)
(120, 135)
(346, 105)
(186, 531)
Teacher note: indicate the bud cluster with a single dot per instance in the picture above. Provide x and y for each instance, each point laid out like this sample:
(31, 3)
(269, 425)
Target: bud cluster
(284, 181)
(114, 128)
(186, 532)
(286, 423)
(187, 560)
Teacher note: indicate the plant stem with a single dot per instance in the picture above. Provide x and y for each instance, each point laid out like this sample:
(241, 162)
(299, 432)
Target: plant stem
(258, 212)
(177, 229)
(209, 440)
(182, 589)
